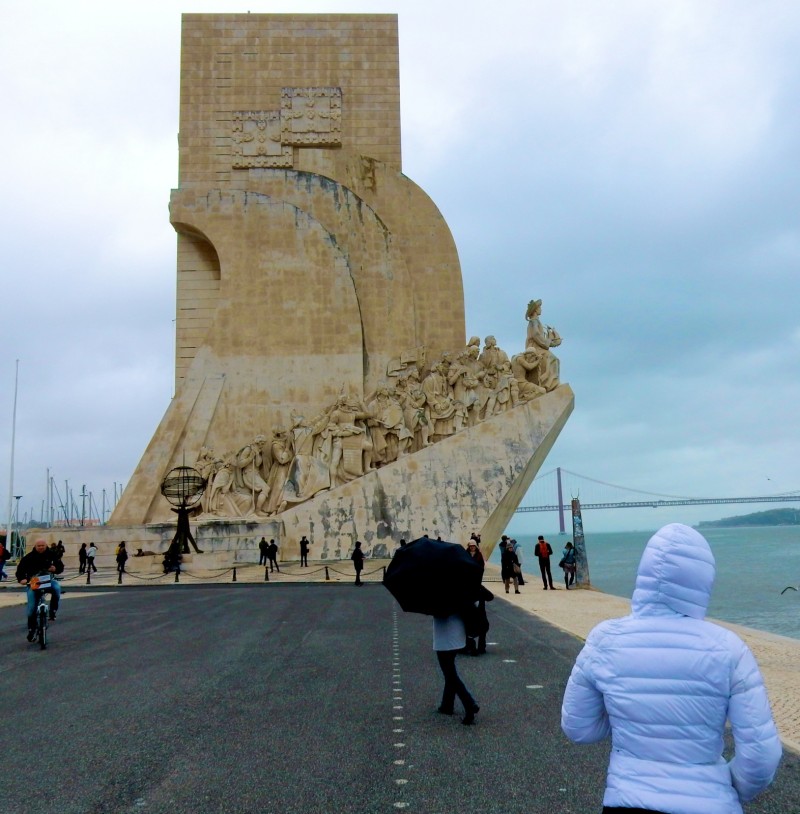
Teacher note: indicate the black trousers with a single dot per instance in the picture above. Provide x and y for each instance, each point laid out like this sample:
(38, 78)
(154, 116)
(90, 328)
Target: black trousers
(273, 565)
(262, 559)
(90, 566)
(544, 567)
(304, 560)
(453, 685)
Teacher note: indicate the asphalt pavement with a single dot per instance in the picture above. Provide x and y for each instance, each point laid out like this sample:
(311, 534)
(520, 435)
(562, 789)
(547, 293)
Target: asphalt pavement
(283, 699)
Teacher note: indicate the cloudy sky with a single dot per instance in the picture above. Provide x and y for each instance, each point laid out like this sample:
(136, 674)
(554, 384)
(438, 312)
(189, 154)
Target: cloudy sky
(633, 163)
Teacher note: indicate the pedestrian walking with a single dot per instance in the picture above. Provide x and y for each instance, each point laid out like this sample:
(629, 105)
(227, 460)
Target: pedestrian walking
(509, 567)
(122, 557)
(82, 559)
(91, 553)
(272, 554)
(358, 563)
(262, 551)
(663, 682)
(449, 637)
(518, 551)
(543, 552)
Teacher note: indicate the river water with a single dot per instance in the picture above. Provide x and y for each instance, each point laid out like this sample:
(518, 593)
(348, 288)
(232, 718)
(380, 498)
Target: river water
(753, 566)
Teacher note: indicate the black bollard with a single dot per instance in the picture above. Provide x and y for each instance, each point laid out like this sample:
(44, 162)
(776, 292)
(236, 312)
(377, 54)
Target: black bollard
(327, 575)
(88, 576)
(177, 574)
(234, 574)
(266, 575)
(384, 573)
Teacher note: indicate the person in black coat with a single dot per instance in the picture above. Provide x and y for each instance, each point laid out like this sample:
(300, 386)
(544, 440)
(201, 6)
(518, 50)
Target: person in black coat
(509, 562)
(304, 546)
(262, 551)
(358, 561)
(272, 554)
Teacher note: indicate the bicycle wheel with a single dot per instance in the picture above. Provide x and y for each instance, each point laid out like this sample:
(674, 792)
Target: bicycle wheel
(42, 626)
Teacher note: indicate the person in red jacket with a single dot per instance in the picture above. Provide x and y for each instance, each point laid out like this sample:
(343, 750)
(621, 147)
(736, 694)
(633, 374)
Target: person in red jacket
(543, 552)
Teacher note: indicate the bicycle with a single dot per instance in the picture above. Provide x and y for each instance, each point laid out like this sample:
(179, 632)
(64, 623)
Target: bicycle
(41, 587)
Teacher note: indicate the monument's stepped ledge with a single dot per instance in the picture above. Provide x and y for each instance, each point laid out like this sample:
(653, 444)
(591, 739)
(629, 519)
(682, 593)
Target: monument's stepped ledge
(471, 481)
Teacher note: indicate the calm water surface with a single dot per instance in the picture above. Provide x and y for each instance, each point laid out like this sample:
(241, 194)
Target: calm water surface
(753, 566)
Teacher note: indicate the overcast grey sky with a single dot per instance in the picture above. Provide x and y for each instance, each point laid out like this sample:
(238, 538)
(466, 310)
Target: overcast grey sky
(632, 163)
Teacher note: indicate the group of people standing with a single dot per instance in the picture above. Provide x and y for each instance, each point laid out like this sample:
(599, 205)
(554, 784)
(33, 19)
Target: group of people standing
(268, 554)
(511, 563)
(86, 558)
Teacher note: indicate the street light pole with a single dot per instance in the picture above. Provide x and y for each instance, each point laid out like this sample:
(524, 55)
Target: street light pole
(17, 547)
(13, 441)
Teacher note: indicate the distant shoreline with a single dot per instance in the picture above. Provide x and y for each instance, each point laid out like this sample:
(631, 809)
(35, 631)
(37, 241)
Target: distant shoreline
(768, 519)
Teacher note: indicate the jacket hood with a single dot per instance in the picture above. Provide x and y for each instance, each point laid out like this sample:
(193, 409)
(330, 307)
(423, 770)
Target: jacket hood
(676, 572)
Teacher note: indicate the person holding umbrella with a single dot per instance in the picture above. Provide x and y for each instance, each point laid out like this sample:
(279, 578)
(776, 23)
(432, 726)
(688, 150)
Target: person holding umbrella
(449, 636)
(441, 580)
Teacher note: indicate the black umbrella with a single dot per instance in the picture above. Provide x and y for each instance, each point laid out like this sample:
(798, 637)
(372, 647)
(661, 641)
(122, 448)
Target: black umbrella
(433, 577)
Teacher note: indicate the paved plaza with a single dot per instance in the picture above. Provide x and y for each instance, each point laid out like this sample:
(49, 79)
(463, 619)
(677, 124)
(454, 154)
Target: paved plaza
(289, 697)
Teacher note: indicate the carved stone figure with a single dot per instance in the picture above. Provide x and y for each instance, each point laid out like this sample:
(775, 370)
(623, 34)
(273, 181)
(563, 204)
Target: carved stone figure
(541, 338)
(307, 473)
(465, 382)
(282, 454)
(220, 497)
(249, 479)
(390, 436)
(492, 356)
(357, 454)
(445, 414)
(507, 389)
(206, 466)
(414, 410)
(525, 367)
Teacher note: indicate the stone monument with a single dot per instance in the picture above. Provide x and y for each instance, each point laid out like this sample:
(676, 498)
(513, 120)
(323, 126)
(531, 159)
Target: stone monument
(324, 384)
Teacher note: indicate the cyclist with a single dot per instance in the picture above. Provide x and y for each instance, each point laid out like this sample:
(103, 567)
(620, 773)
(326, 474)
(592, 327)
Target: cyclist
(39, 561)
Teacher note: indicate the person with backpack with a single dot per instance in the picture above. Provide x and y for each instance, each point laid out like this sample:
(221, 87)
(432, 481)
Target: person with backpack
(543, 551)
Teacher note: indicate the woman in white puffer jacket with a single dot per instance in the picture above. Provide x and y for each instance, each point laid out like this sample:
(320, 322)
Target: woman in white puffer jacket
(663, 682)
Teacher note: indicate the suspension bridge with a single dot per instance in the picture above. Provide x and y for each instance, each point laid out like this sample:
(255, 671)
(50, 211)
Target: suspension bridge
(553, 485)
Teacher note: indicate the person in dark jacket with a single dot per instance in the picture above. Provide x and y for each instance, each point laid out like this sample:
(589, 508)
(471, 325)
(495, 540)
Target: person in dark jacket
(543, 551)
(82, 559)
(304, 546)
(272, 554)
(39, 561)
(508, 565)
(358, 561)
(263, 551)
(122, 557)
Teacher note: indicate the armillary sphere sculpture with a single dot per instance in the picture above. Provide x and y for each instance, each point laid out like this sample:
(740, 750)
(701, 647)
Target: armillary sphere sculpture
(183, 487)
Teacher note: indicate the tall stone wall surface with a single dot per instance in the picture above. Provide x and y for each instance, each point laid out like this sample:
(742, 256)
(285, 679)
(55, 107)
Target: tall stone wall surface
(312, 275)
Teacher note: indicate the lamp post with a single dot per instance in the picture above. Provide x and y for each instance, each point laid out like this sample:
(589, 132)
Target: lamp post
(16, 546)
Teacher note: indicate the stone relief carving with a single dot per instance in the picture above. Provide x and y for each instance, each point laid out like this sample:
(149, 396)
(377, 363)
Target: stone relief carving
(309, 117)
(256, 138)
(418, 405)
